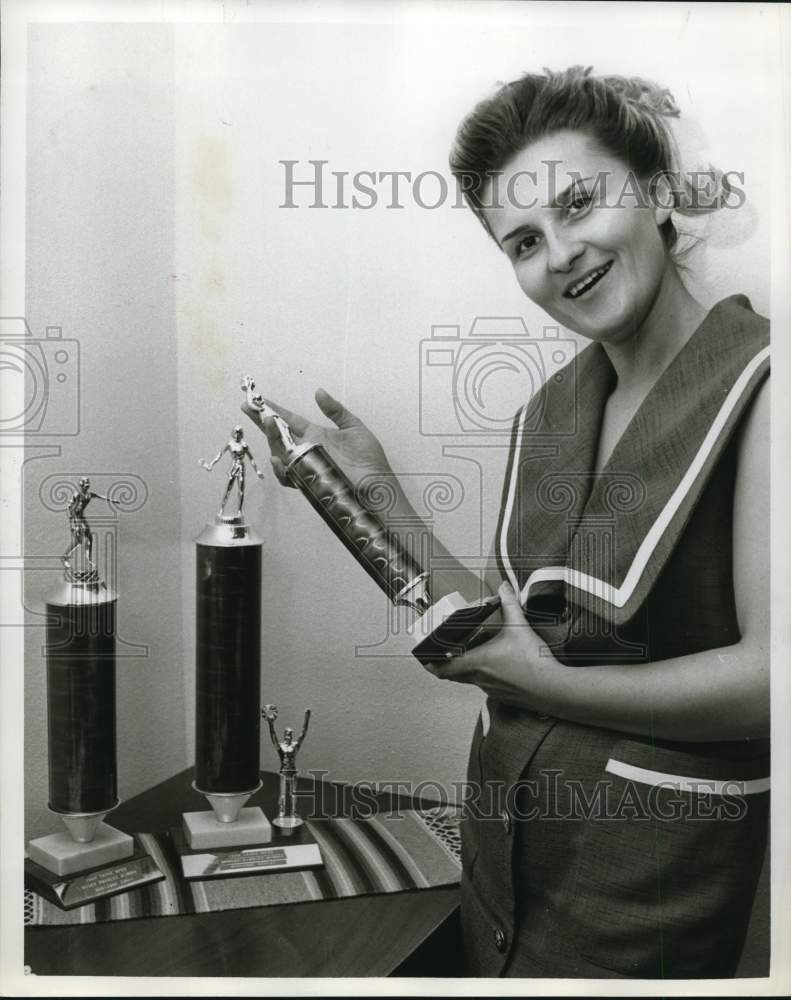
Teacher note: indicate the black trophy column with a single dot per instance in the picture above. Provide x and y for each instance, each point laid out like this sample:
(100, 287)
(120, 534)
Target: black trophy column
(228, 660)
(333, 497)
(81, 702)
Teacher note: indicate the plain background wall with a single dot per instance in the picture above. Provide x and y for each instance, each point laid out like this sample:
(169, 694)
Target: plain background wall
(155, 236)
(99, 253)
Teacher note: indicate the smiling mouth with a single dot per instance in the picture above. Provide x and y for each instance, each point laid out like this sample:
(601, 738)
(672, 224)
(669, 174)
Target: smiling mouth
(584, 284)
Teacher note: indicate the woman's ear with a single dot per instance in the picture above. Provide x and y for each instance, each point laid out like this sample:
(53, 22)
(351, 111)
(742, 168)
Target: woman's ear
(663, 198)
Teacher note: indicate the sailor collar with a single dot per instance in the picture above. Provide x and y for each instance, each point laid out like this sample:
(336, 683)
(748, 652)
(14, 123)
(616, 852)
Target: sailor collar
(603, 538)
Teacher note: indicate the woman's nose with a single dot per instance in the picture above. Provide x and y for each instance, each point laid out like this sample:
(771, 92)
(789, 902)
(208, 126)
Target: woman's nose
(562, 254)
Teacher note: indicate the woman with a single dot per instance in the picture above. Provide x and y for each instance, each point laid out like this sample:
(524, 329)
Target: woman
(620, 815)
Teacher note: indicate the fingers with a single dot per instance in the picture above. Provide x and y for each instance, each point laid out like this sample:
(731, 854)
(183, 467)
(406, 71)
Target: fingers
(280, 472)
(297, 423)
(451, 668)
(439, 668)
(335, 410)
(252, 413)
(273, 439)
(511, 608)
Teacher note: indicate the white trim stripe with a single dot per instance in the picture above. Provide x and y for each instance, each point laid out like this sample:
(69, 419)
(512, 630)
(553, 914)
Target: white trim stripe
(486, 720)
(618, 596)
(509, 504)
(682, 783)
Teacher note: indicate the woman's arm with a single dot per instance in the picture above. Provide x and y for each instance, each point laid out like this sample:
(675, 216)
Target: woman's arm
(718, 694)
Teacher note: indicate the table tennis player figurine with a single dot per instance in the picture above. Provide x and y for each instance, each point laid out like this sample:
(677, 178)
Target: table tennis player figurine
(239, 451)
(287, 752)
(81, 536)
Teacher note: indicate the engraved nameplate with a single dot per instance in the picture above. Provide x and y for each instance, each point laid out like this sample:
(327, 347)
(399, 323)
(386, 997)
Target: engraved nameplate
(69, 891)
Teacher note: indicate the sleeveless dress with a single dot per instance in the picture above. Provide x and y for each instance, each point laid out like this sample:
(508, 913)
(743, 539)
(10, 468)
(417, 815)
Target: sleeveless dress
(590, 852)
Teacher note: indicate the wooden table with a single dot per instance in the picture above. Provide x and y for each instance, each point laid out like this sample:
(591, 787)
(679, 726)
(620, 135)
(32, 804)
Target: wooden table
(360, 936)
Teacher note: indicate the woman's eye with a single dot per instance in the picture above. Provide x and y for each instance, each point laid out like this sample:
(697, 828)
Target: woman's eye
(525, 245)
(579, 204)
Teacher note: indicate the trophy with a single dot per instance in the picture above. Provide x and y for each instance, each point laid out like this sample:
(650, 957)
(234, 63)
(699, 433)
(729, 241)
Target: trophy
(294, 845)
(447, 626)
(81, 864)
(228, 671)
(287, 749)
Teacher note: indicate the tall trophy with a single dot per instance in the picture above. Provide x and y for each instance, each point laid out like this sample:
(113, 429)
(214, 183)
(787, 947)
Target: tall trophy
(228, 668)
(446, 626)
(81, 864)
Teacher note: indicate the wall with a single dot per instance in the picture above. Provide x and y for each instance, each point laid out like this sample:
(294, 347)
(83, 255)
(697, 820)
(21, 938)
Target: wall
(190, 274)
(99, 257)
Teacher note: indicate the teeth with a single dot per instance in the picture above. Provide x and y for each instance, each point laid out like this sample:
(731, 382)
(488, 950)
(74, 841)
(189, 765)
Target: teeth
(580, 287)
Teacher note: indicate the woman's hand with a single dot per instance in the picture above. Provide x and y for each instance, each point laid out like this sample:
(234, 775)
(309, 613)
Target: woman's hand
(508, 666)
(360, 456)
(354, 447)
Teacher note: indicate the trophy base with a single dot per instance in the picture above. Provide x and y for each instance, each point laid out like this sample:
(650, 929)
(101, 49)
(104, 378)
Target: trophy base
(452, 625)
(203, 829)
(93, 883)
(231, 530)
(287, 852)
(61, 854)
(287, 822)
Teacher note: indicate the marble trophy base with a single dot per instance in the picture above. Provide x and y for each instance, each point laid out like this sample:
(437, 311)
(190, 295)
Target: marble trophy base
(203, 829)
(62, 855)
(96, 878)
(92, 861)
(450, 626)
(228, 824)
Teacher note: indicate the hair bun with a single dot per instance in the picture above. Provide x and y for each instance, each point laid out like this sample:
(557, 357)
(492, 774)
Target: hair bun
(629, 117)
(644, 93)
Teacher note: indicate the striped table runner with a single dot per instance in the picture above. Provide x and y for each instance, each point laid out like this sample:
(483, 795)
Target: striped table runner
(386, 853)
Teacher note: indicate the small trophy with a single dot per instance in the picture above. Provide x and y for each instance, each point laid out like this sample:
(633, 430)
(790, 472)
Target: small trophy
(228, 669)
(448, 626)
(81, 865)
(287, 749)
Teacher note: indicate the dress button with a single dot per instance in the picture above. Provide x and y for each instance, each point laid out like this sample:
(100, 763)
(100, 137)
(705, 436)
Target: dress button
(500, 940)
(506, 822)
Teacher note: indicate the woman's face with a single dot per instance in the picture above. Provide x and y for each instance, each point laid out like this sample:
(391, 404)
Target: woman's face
(581, 235)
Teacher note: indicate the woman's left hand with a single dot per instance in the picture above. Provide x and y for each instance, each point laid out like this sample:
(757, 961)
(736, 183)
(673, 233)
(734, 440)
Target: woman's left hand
(507, 667)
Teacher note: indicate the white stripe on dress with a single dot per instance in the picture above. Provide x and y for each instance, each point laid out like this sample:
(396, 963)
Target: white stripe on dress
(682, 783)
(618, 596)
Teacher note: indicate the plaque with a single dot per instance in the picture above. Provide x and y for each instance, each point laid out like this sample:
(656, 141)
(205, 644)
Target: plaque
(70, 891)
(289, 851)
